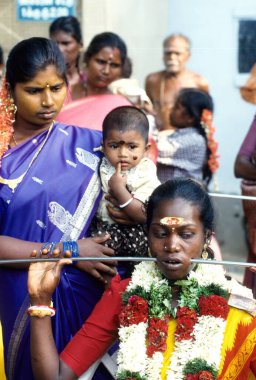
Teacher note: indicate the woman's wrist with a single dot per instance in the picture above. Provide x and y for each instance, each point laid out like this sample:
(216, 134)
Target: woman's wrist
(40, 300)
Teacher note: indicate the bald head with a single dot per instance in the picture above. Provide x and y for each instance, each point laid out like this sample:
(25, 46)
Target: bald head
(178, 36)
(176, 53)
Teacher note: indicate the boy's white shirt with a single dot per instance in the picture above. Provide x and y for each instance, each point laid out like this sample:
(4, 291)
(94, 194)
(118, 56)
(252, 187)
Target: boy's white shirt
(141, 181)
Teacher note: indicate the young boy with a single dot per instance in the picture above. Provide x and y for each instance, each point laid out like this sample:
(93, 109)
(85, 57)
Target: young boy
(128, 178)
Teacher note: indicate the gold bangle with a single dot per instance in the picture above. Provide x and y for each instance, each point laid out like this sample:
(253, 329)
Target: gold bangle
(41, 311)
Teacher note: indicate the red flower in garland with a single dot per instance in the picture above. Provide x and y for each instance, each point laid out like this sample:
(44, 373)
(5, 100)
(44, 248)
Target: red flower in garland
(186, 319)
(157, 335)
(134, 312)
(216, 306)
(201, 375)
(205, 375)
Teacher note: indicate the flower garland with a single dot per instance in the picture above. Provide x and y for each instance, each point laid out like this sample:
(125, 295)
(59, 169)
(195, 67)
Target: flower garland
(7, 116)
(207, 124)
(201, 320)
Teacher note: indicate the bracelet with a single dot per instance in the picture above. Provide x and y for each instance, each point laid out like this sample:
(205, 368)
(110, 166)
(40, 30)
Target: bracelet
(41, 311)
(126, 203)
(73, 247)
(48, 248)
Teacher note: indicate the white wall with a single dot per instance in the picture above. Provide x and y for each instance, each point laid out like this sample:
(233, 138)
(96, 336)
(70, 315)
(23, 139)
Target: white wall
(212, 27)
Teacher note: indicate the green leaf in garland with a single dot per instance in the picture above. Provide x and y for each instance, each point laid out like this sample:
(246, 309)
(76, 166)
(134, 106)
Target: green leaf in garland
(127, 375)
(197, 364)
(214, 289)
(138, 291)
(160, 301)
(189, 294)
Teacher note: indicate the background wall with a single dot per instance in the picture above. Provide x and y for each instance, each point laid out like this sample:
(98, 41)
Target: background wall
(143, 24)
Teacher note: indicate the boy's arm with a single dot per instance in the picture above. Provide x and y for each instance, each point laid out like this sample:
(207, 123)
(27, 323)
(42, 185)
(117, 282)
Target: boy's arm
(122, 198)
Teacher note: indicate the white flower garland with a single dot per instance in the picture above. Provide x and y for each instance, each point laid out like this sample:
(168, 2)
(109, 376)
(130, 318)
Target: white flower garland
(207, 334)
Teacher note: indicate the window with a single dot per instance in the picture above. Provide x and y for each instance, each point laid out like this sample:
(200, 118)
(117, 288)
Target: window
(246, 45)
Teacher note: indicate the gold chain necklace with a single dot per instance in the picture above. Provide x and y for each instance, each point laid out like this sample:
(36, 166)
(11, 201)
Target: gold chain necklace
(14, 139)
(13, 183)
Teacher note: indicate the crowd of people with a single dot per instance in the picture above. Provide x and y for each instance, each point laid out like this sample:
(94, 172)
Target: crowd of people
(78, 179)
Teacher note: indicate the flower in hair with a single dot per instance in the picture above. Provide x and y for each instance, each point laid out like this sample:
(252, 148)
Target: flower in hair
(7, 115)
(207, 124)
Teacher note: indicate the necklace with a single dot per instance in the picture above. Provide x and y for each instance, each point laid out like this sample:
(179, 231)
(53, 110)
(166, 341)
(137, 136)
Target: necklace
(13, 137)
(13, 183)
(200, 316)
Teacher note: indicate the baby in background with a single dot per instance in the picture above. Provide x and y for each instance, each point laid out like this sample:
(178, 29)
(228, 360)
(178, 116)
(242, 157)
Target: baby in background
(128, 178)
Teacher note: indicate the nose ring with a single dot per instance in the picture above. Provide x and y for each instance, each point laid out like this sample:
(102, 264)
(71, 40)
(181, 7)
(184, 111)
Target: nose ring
(176, 249)
(43, 103)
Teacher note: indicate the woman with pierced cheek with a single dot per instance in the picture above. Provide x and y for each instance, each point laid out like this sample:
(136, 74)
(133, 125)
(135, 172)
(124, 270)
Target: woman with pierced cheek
(49, 193)
(174, 320)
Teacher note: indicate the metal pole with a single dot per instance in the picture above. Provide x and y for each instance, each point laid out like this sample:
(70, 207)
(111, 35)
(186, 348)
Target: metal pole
(115, 258)
(232, 196)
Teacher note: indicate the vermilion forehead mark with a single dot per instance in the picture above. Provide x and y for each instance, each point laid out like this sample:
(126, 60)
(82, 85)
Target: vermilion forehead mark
(172, 221)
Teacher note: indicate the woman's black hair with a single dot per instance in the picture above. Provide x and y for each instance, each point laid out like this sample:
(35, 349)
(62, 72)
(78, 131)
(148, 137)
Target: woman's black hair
(106, 39)
(195, 101)
(67, 24)
(1, 56)
(30, 56)
(189, 190)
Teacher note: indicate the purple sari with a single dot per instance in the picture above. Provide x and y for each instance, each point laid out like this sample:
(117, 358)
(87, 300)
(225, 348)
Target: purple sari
(55, 201)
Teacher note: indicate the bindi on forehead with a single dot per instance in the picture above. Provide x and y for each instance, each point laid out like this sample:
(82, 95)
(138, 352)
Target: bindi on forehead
(172, 222)
(110, 58)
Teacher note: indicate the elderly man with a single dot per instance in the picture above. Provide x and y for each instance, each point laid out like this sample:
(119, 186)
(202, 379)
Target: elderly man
(163, 86)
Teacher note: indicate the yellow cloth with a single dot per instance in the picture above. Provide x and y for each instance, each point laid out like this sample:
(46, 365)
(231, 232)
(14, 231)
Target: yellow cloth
(236, 360)
(2, 373)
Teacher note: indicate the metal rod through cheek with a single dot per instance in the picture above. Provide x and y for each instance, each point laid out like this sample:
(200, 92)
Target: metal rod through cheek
(53, 259)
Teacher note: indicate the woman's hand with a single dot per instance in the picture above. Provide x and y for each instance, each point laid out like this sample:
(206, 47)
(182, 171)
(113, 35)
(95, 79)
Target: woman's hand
(94, 247)
(43, 278)
(119, 216)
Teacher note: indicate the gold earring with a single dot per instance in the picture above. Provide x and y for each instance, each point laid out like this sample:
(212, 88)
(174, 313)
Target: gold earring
(205, 253)
(10, 108)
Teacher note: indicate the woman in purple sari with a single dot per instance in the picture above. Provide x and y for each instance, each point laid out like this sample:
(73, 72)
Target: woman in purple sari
(49, 192)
